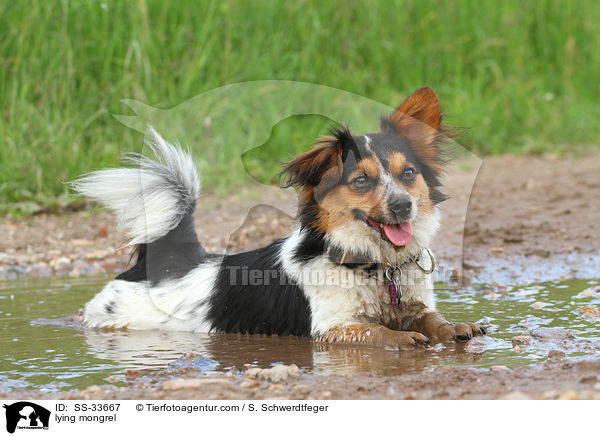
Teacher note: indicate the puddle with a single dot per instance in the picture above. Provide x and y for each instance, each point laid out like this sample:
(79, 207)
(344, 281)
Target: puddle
(53, 356)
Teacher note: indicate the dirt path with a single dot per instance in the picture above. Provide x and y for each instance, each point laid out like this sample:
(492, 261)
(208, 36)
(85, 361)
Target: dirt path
(536, 218)
(556, 378)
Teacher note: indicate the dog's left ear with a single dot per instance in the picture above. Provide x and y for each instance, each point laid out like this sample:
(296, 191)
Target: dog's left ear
(319, 169)
(418, 120)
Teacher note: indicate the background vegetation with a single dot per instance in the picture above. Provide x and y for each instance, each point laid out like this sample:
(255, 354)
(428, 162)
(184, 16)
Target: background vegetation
(522, 74)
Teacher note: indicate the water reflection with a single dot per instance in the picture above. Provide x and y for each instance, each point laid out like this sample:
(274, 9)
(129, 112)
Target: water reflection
(60, 354)
(147, 349)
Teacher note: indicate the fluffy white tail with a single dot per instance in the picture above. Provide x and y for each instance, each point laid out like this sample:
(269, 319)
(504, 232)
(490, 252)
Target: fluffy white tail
(151, 198)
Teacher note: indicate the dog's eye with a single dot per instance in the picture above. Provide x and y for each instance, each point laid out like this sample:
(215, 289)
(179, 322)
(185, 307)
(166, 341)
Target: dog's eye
(409, 174)
(360, 181)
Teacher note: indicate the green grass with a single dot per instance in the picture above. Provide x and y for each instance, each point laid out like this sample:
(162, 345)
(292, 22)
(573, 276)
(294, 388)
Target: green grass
(521, 74)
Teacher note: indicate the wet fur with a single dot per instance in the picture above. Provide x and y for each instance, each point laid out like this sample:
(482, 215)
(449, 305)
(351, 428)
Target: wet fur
(291, 287)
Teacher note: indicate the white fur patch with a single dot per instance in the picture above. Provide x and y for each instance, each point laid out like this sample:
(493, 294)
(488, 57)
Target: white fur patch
(151, 199)
(367, 142)
(179, 305)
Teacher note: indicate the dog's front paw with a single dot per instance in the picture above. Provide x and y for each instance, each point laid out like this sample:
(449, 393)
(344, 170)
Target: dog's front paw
(459, 332)
(374, 334)
(398, 340)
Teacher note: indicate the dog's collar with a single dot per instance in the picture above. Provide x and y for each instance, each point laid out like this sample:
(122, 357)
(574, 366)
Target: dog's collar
(358, 261)
(350, 260)
(391, 274)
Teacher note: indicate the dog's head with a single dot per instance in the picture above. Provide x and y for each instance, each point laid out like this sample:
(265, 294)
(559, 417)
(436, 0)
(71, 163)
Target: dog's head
(376, 194)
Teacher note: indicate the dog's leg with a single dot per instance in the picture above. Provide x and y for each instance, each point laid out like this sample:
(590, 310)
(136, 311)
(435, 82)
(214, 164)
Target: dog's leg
(373, 334)
(417, 311)
(416, 316)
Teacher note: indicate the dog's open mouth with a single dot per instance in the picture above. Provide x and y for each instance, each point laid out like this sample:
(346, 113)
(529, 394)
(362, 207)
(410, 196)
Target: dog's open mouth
(399, 234)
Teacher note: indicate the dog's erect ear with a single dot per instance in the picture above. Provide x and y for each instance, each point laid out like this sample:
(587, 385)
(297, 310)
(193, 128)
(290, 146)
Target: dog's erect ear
(320, 168)
(418, 120)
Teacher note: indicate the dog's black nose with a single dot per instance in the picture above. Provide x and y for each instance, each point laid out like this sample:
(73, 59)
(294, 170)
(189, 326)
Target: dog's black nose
(400, 206)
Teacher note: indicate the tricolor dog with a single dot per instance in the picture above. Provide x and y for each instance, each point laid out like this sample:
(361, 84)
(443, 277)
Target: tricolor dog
(357, 269)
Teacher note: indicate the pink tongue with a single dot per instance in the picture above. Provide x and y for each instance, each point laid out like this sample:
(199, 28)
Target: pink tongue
(399, 234)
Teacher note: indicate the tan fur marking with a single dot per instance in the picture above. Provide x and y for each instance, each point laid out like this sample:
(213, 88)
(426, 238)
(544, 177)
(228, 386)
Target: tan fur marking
(338, 204)
(372, 334)
(369, 167)
(397, 163)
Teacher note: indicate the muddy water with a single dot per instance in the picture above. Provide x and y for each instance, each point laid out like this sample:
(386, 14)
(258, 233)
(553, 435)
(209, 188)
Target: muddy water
(54, 355)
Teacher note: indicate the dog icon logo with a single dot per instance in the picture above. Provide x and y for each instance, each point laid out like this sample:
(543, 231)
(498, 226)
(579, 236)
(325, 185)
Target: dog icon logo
(26, 415)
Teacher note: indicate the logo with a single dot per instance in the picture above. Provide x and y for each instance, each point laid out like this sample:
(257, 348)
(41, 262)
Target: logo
(26, 415)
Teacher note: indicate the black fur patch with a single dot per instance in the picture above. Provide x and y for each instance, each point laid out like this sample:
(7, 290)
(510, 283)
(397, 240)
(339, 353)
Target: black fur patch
(311, 246)
(253, 295)
(170, 257)
(110, 307)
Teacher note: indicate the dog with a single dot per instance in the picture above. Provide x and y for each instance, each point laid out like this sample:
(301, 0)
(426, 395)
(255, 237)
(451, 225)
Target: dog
(357, 269)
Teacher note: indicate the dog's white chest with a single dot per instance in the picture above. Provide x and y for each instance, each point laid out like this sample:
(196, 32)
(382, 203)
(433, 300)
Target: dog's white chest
(345, 296)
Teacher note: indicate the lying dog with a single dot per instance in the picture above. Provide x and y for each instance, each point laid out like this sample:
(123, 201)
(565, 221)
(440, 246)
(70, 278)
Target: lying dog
(356, 270)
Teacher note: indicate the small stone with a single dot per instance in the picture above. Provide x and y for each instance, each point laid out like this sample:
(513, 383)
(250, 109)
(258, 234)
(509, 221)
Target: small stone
(516, 395)
(551, 333)
(569, 395)
(503, 289)
(540, 305)
(589, 292)
(80, 242)
(497, 250)
(556, 354)
(499, 368)
(133, 374)
(485, 290)
(248, 384)
(190, 383)
(589, 311)
(275, 374)
(550, 395)
(302, 388)
(60, 262)
(521, 340)
(253, 373)
(280, 372)
(277, 387)
(94, 389)
(588, 380)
